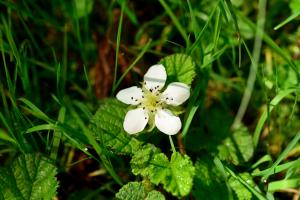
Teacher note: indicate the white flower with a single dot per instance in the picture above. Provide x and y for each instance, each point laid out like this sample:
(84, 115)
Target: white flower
(152, 104)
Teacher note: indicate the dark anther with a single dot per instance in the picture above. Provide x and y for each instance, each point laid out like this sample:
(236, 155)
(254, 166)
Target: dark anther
(145, 117)
(142, 96)
(143, 108)
(150, 90)
(132, 98)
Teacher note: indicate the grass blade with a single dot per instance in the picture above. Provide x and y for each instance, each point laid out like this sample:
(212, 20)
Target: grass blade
(282, 94)
(175, 21)
(118, 45)
(287, 20)
(284, 184)
(145, 48)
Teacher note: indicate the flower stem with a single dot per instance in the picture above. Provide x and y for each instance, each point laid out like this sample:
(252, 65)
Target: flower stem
(180, 143)
(172, 144)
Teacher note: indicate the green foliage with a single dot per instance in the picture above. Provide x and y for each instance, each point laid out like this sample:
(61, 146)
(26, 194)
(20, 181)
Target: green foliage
(58, 58)
(30, 176)
(142, 158)
(294, 6)
(83, 7)
(132, 191)
(233, 146)
(179, 67)
(211, 138)
(242, 193)
(137, 191)
(208, 180)
(176, 175)
(107, 125)
(182, 172)
(155, 195)
(237, 148)
(77, 9)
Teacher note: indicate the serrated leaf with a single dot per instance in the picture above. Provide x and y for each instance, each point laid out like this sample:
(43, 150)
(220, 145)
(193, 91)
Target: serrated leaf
(30, 176)
(158, 170)
(239, 189)
(175, 175)
(182, 172)
(132, 191)
(208, 180)
(140, 162)
(179, 67)
(211, 136)
(155, 195)
(107, 125)
(237, 148)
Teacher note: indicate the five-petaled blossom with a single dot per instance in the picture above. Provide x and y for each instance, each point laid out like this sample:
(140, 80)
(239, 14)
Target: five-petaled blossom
(152, 105)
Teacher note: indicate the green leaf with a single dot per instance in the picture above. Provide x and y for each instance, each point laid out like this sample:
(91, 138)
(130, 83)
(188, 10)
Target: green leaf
(130, 13)
(155, 195)
(240, 190)
(208, 180)
(83, 8)
(284, 184)
(137, 191)
(182, 174)
(140, 162)
(30, 176)
(132, 191)
(175, 175)
(237, 148)
(294, 6)
(179, 67)
(210, 136)
(107, 125)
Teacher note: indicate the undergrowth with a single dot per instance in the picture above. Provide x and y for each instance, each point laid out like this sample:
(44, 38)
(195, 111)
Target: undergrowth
(61, 126)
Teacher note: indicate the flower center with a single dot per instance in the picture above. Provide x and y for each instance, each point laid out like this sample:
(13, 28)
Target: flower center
(151, 100)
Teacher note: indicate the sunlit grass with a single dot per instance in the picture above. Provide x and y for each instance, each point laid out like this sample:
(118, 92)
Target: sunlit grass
(51, 54)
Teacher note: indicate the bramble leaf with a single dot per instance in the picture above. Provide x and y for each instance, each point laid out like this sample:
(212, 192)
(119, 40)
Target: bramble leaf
(208, 180)
(240, 190)
(107, 125)
(155, 195)
(132, 191)
(176, 175)
(237, 148)
(140, 162)
(137, 191)
(30, 176)
(179, 67)
(182, 173)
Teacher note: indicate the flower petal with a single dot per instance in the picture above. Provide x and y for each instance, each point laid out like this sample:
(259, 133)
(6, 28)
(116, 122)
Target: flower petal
(135, 121)
(155, 77)
(176, 93)
(130, 95)
(166, 122)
